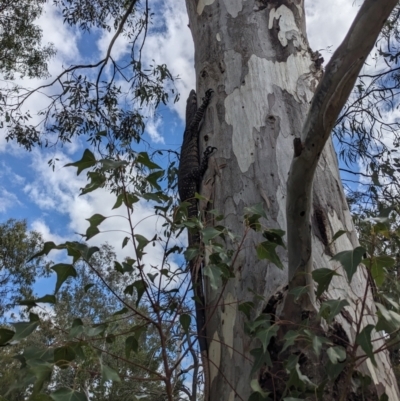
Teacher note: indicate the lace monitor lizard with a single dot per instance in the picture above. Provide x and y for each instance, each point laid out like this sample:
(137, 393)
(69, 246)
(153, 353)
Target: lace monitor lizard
(190, 173)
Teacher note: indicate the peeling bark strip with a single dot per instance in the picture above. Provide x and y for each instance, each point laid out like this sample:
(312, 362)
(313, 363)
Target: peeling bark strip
(255, 55)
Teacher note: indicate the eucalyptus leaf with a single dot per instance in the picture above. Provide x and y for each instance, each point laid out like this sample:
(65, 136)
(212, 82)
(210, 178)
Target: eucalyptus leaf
(23, 329)
(336, 354)
(88, 160)
(350, 260)
(323, 278)
(63, 272)
(109, 374)
(266, 250)
(185, 320)
(364, 340)
(131, 344)
(329, 309)
(66, 394)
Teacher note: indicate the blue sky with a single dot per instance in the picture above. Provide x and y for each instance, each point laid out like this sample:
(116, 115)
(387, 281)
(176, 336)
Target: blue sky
(49, 200)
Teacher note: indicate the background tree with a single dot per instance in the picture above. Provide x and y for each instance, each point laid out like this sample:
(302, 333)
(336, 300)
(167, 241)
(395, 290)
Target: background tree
(88, 300)
(21, 50)
(367, 128)
(17, 272)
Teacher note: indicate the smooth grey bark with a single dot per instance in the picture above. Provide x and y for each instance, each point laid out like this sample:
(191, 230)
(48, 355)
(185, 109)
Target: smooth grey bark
(255, 55)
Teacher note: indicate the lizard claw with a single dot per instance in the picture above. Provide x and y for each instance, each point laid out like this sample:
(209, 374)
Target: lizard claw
(209, 150)
(208, 94)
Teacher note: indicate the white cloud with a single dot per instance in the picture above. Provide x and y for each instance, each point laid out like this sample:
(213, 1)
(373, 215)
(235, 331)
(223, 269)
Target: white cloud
(121, 46)
(152, 128)
(174, 47)
(64, 37)
(7, 200)
(328, 23)
(40, 226)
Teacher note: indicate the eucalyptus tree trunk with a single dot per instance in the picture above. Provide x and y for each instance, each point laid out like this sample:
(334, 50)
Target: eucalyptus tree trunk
(256, 57)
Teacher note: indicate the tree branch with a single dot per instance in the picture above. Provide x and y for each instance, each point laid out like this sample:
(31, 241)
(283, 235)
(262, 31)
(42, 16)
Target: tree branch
(330, 97)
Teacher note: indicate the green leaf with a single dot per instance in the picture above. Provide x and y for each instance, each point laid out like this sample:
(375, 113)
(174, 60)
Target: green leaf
(23, 329)
(66, 394)
(39, 397)
(316, 341)
(185, 320)
(87, 287)
(129, 199)
(191, 253)
(43, 354)
(297, 292)
(131, 344)
(255, 386)
(142, 243)
(80, 250)
(210, 233)
(47, 247)
(127, 267)
(47, 299)
(265, 335)
(323, 278)
(95, 330)
(51, 299)
(118, 267)
(88, 160)
(96, 219)
(110, 338)
(109, 374)
(158, 197)
(290, 338)
(143, 158)
(5, 336)
(125, 242)
(119, 201)
(152, 277)
(388, 320)
(336, 354)
(76, 328)
(334, 370)
(275, 236)
(364, 340)
(261, 358)
(214, 274)
(246, 308)
(257, 210)
(63, 272)
(266, 250)
(140, 286)
(121, 311)
(97, 180)
(154, 177)
(108, 164)
(350, 260)
(377, 265)
(42, 371)
(329, 309)
(63, 356)
(91, 232)
(338, 234)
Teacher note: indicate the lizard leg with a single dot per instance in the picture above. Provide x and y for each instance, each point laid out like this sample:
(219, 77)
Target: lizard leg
(204, 162)
(194, 124)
